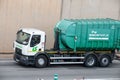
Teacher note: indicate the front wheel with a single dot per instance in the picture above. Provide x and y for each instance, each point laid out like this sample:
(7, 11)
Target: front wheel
(90, 61)
(41, 61)
(104, 61)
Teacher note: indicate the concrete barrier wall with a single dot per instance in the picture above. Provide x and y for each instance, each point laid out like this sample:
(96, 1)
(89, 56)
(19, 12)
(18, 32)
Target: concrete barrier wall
(91, 9)
(44, 14)
(14, 14)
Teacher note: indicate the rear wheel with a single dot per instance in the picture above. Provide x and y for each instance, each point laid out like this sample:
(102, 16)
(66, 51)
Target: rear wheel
(41, 61)
(104, 61)
(90, 61)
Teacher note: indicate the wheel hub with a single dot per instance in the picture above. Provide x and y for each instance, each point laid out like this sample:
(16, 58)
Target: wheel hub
(91, 61)
(105, 60)
(41, 61)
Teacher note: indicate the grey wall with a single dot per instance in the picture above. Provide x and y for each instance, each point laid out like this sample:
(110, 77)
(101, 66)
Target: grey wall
(44, 14)
(14, 14)
(91, 9)
(119, 9)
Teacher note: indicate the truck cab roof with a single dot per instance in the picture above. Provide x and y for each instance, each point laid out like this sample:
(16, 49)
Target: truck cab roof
(32, 31)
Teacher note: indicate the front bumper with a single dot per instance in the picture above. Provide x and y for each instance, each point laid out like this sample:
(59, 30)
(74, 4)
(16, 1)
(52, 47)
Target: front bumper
(26, 60)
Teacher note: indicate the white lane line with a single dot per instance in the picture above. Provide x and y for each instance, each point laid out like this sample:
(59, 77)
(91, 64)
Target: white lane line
(2, 61)
(103, 79)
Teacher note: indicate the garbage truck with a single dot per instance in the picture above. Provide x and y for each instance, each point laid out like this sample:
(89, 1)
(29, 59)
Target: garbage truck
(91, 42)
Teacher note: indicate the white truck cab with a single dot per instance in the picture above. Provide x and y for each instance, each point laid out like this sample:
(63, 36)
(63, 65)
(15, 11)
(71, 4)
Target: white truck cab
(28, 42)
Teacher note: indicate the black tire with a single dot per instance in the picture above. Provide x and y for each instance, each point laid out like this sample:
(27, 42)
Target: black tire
(90, 61)
(104, 61)
(41, 61)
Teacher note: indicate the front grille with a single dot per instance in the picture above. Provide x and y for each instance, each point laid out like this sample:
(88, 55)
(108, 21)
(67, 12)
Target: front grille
(18, 51)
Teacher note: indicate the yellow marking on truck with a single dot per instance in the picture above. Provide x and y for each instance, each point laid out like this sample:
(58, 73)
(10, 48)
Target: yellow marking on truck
(78, 52)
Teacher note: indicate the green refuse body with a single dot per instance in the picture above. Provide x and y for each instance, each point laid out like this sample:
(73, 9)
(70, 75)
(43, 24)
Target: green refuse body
(88, 34)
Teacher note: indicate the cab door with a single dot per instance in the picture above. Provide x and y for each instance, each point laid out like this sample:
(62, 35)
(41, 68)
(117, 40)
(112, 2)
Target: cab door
(35, 44)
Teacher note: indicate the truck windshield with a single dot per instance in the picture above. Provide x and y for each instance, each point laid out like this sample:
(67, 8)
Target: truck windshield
(22, 37)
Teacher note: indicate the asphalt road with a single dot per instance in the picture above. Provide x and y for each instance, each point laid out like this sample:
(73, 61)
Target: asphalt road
(10, 70)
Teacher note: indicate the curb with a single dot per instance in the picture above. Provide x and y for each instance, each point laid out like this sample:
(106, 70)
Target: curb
(5, 53)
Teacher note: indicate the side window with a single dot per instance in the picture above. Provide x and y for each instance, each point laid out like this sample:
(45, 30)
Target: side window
(35, 40)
